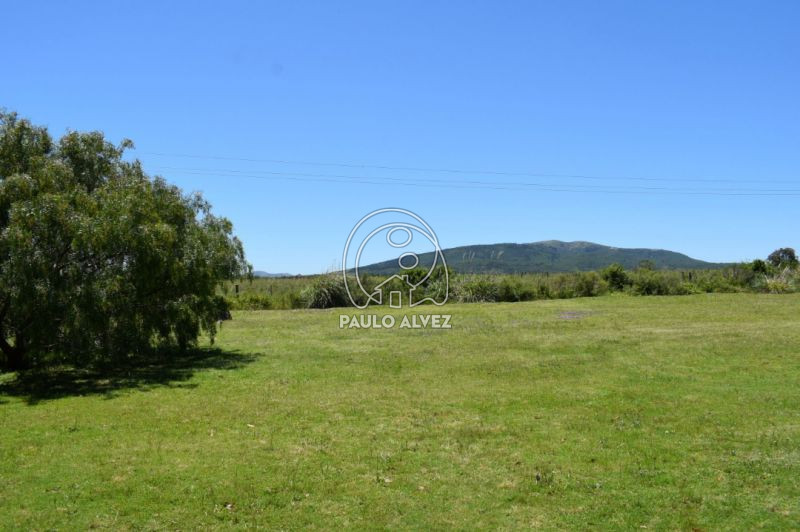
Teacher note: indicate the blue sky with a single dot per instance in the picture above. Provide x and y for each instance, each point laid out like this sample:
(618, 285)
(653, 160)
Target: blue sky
(673, 96)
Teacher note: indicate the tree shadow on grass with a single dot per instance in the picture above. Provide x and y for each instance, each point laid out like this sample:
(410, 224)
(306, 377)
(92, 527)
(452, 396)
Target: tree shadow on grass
(169, 368)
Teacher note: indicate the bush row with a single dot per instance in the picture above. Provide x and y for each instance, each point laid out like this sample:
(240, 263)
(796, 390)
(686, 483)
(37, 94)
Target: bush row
(328, 291)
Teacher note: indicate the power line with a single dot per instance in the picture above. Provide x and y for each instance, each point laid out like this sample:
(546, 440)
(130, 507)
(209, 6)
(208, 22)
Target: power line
(434, 183)
(229, 172)
(462, 171)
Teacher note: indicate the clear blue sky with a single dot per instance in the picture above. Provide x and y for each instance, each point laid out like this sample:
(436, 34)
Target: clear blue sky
(679, 91)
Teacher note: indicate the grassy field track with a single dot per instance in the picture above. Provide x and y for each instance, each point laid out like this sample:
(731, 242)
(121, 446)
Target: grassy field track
(620, 412)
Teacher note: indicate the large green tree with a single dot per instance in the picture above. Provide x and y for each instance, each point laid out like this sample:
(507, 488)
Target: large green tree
(783, 258)
(99, 261)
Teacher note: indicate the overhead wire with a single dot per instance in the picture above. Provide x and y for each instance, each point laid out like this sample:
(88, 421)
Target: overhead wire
(450, 183)
(433, 182)
(465, 171)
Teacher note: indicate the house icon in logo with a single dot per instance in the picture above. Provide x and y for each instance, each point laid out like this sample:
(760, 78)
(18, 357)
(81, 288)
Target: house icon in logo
(395, 298)
(399, 289)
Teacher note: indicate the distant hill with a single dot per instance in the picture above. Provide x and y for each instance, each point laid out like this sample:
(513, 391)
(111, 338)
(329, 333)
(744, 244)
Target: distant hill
(549, 256)
(259, 273)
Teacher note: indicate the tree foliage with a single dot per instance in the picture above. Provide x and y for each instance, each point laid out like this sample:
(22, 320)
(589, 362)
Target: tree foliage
(616, 277)
(759, 266)
(783, 258)
(98, 261)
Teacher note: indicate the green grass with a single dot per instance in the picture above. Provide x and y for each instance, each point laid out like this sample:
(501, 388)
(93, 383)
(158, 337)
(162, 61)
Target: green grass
(613, 412)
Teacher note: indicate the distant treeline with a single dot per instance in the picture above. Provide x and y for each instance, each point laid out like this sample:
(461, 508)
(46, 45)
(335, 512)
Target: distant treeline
(778, 274)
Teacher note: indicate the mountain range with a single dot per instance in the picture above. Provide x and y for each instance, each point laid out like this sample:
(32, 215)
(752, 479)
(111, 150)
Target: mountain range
(549, 256)
(259, 273)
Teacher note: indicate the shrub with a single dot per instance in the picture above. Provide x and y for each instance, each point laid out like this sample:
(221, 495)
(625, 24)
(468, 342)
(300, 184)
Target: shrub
(542, 291)
(616, 277)
(759, 266)
(651, 283)
(715, 282)
(589, 284)
(512, 290)
(778, 286)
(436, 289)
(478, 290)
(327, 291)
(561, 286)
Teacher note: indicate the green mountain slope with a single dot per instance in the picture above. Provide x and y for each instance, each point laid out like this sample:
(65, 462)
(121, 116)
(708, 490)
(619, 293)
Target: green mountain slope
(549, 256)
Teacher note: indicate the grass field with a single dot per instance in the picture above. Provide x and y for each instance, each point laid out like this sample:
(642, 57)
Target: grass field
(621, 412)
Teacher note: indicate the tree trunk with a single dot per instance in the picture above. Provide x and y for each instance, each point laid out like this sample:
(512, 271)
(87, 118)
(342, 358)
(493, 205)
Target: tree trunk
(14, 355)
(15, 360)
